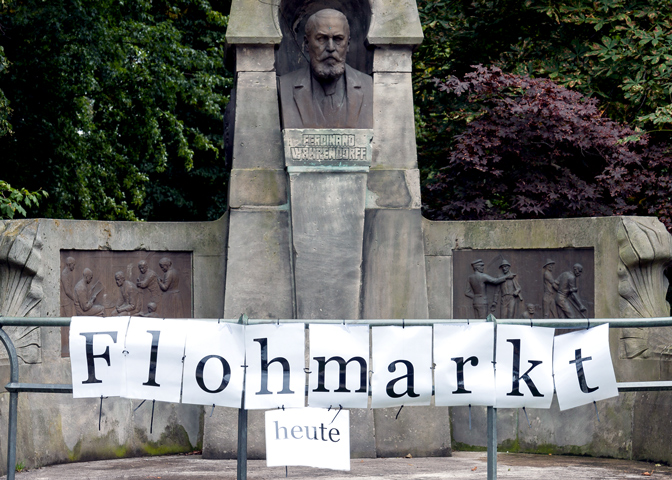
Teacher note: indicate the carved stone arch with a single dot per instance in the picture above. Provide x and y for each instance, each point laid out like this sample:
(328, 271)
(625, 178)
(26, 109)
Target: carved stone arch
(645, 250)
(21, 285)
(293, 15)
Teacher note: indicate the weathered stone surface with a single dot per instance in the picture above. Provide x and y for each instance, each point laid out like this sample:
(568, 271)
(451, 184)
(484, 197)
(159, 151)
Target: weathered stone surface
(327, 228)
(420, 431)
(652, 427)
(20, 261)
(21, 291)
(393, 58)
(253, 23)
(393, 244)
(439, 286)
(257, 139)
(467, 439)
(257, 187)
(221, 434)
(57, 428)
(394, 129)
(441, 238)
(395, 22)
(362, 433)
(577, 430)
(259, 279)
(388, 189)
(645, 250)
(255, 58)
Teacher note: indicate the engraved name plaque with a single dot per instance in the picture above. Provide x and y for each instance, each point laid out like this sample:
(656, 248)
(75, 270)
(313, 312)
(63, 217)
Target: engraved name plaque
(327, 147)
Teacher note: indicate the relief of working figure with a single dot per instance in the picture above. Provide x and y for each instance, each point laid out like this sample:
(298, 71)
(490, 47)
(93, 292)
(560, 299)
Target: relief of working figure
(169, 284)
(476, 287)
(125, 283)
(130, 304)
(548, 301)
(508, 292)
(567, 297)
(148, 283)
(329, 93)
(86, 295)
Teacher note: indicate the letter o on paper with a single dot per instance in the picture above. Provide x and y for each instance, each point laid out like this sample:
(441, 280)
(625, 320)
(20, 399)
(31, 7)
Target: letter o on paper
(226, 375)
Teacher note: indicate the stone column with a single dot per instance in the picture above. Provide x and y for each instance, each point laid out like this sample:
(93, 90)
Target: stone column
(394, 268)
(259, 274)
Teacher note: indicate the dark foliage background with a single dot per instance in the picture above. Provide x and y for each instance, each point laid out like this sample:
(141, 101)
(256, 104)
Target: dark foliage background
(578, 126)
(116, 107)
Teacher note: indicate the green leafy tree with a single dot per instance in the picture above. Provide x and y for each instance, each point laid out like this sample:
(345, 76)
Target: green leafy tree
(626, 56)
(16, 200)
(117, 107)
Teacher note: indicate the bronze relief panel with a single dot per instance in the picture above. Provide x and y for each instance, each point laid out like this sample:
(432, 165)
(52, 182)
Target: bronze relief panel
(543, 283)
(103, 283)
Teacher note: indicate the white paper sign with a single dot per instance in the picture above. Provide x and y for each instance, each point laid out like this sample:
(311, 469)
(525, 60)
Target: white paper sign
(339, 361)
(213, 364)
(524, 375)
(402, 366)
(275, 366)
(311, 437)
(96, 358)
(464, 373)
(582, 367)
(154, 361)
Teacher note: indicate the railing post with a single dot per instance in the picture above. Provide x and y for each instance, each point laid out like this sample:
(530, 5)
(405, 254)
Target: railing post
(241, 454)
(13, 404)
(492, 443)
(492, 415)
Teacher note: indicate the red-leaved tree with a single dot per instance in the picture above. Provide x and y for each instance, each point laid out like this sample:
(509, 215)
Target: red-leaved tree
(534, 149)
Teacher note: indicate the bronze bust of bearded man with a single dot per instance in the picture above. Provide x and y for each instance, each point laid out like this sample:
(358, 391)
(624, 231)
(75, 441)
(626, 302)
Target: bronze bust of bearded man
(329, 93)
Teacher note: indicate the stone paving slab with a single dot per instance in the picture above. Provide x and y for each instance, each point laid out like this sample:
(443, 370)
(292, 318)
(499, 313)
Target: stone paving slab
(462, 466)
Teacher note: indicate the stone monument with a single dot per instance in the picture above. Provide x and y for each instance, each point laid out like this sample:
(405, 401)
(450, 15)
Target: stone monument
(324, 222)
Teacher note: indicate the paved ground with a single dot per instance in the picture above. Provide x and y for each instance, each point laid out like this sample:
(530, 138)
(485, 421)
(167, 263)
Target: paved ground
(462, 466)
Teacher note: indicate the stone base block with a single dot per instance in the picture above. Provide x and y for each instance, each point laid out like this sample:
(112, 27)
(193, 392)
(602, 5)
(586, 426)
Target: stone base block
(419, 431)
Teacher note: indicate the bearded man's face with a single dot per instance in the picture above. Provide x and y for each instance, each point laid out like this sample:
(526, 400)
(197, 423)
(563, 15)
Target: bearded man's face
(327, 46)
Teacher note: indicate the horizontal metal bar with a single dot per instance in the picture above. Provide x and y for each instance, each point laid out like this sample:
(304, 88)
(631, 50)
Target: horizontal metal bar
(552, 323)
(38, 387)
(644, 386)
(34, 321)
(590, 322)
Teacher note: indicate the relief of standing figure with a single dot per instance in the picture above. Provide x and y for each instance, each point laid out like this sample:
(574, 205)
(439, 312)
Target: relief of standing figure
(148, 282)
(169, 284)
(508, 291)
(550, 311)
(476, 287)
(567, 299)
(68, 288)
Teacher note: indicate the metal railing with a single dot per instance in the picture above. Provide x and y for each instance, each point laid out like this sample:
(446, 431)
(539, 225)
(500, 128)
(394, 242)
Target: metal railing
(14, 386)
